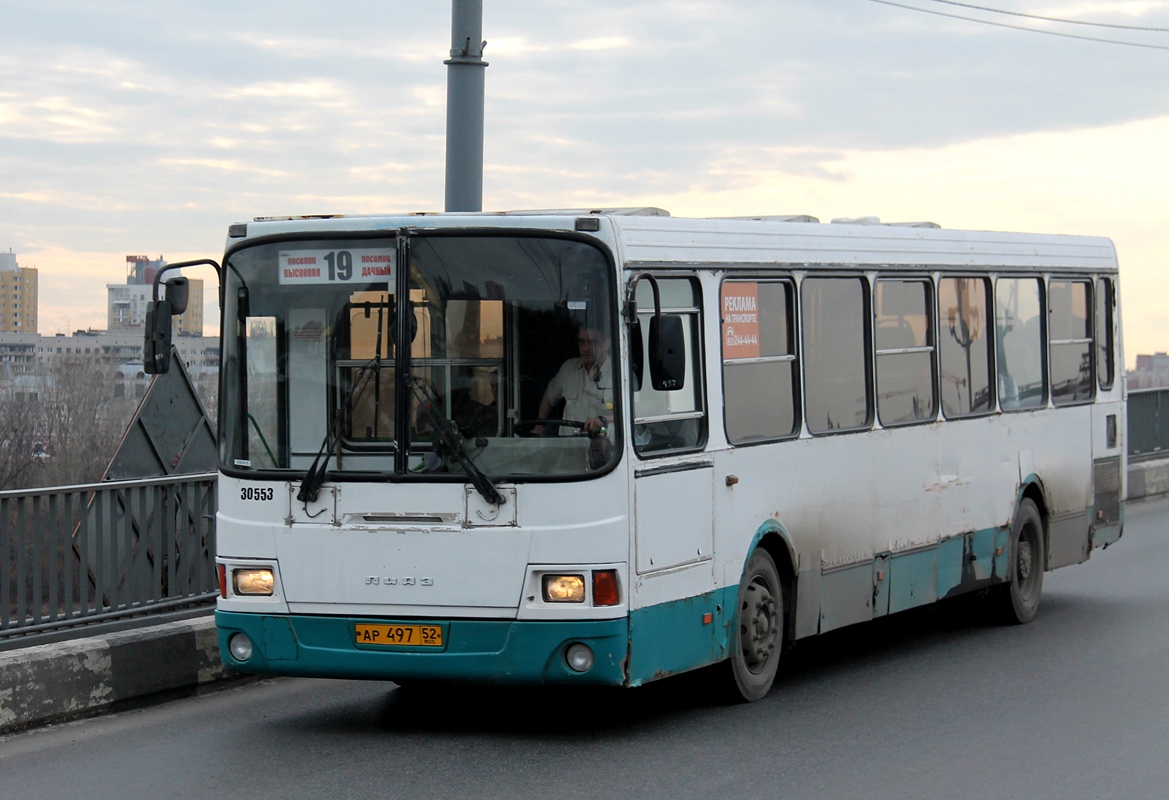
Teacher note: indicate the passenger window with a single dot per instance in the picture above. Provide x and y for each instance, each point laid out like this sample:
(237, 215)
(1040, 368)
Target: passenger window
(1019, 328)
(669, 420)
(760, 371)
(835, 315)
(1071, 342)
(905, 352)
(964, 346)
(1105, 333)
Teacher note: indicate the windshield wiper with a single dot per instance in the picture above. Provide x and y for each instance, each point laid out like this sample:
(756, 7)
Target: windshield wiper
(310, 487)
(453, 442)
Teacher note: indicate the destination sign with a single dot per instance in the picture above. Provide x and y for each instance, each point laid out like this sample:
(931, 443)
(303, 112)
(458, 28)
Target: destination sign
(357, 266)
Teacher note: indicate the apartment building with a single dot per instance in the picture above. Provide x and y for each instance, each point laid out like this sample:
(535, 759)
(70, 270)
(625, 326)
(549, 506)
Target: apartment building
(126, 302)
(18, 296)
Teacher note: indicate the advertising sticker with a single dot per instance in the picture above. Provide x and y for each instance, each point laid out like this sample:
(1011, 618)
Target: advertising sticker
(740, 317)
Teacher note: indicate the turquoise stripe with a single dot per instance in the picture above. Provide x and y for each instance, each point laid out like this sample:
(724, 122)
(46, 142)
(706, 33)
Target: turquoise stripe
(489, 651)
(670, 638)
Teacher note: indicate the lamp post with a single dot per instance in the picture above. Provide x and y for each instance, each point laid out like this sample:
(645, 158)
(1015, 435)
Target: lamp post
(464, 108)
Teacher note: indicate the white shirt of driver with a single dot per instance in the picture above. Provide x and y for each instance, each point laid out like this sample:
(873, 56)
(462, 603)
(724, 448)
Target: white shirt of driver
(586, 392)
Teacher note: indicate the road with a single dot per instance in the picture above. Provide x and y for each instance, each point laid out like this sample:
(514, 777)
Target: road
(932, 703)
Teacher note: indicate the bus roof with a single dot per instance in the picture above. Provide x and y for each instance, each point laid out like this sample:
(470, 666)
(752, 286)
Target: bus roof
(651, 237)
(859, 243)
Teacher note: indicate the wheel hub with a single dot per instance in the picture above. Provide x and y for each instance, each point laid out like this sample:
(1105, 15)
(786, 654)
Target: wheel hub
(758, 626)
(1025, 562)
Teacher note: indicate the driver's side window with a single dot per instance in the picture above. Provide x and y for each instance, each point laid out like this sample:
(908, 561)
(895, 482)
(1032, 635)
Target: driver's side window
(669, 420)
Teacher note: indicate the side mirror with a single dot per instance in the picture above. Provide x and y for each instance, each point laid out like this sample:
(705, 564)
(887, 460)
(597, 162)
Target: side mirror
(178, 291)
(156, 347)
(667, 353)
(636, 354)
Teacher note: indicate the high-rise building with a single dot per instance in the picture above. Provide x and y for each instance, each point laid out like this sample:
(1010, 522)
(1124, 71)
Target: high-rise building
(126, 304)
(18, 296)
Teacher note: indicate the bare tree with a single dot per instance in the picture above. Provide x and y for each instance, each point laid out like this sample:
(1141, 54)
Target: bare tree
(20, 418)
(60, 427)
(84, 420)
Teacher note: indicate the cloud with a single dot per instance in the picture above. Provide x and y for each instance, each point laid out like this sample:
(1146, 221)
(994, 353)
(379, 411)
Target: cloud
(129, 127)
(318, 89)
(603, 43)
(226, 165)
(55, 119)
(1135, 9)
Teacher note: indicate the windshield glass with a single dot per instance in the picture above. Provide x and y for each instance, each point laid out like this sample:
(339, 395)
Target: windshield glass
(509, 349)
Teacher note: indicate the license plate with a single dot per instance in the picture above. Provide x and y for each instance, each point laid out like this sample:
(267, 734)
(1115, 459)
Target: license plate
(400, 635)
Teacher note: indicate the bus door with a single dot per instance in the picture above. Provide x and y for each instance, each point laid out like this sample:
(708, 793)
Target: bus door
(1108, 420)
(673, 492)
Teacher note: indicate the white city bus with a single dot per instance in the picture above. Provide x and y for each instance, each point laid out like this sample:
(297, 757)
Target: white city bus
(794, 427)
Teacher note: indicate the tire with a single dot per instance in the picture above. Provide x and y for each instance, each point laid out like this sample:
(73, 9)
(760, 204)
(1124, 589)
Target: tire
(759, 631)
(1017, 601)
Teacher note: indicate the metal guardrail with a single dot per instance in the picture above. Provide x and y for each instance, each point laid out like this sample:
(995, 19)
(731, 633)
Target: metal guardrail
(1148, 423)
(79, 555)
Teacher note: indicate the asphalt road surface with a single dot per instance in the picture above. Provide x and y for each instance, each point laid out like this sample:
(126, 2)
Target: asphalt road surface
(932, 703)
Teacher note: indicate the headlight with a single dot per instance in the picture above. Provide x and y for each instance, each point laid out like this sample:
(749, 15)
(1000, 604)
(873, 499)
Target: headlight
(253, 581)
(564, 588)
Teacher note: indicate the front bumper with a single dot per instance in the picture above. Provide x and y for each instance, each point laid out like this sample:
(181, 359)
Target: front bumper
(476, 651)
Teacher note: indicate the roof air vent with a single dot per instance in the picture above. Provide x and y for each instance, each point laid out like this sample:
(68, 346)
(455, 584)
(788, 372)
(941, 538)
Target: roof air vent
(857, 221)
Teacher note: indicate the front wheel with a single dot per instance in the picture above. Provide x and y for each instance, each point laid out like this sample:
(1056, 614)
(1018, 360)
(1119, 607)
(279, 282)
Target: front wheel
(758, 638)
(1017, 601)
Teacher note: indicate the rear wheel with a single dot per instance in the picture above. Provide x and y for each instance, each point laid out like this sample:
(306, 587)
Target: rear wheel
(758, 639)
(1017, 601)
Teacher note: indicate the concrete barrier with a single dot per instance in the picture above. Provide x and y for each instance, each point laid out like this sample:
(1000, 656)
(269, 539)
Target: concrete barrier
(82, 677)
(1147, 478)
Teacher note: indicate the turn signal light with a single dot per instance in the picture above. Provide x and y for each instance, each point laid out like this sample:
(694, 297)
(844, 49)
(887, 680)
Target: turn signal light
(254, 581)
(564, 589)
(605, 588)
(222, 580)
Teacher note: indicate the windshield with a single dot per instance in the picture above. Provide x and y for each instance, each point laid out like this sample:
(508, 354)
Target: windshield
(509, 341)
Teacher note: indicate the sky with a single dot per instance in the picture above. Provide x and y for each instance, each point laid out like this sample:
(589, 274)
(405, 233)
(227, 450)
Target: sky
(129, 127)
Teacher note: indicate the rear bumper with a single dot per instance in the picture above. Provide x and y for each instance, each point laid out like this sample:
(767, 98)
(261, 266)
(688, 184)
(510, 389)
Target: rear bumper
(478, 651)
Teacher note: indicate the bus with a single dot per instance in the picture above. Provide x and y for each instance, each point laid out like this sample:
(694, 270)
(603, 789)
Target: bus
(610, 446)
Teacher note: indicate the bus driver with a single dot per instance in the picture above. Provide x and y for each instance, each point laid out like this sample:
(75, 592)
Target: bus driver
(585, 384)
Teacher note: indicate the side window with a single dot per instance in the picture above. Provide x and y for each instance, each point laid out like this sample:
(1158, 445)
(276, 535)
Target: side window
(1019, 329)
(760, 371)
(964, 346)
(835, 313)
(264, 436)
(669, 420)
(905, 352)
(1071, 342)
(1105, 333)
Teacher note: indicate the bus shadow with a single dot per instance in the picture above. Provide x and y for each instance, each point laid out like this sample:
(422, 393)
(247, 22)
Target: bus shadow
(952, 623)
(549, 712)
(572, 712)
(581, 713)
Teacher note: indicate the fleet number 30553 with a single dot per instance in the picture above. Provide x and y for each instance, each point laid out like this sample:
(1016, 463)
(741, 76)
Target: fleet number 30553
(257, 493)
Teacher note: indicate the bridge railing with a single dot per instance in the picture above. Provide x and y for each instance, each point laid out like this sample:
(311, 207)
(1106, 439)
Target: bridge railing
(78, 555)
(1148, 423)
